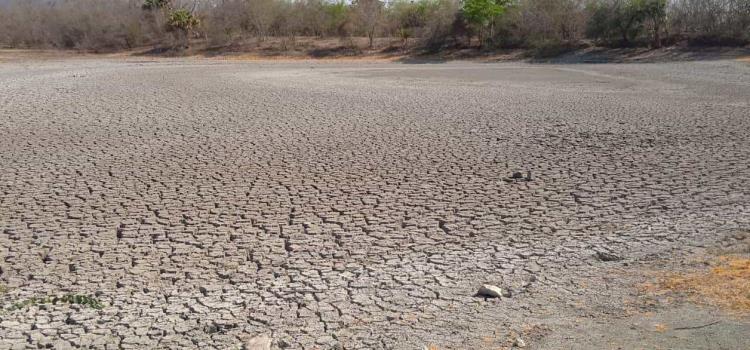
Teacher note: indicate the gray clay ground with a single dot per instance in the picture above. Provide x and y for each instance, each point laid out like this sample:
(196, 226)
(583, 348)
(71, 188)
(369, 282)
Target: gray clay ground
(361, 205)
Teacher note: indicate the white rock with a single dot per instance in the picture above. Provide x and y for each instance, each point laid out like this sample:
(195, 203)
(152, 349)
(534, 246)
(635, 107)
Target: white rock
(491, 291)
(261, 342)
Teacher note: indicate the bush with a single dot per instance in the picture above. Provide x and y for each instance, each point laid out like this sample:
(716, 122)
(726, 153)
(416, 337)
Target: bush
(547, 48)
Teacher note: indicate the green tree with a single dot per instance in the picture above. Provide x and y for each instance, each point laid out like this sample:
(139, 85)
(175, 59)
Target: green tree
(482, 13)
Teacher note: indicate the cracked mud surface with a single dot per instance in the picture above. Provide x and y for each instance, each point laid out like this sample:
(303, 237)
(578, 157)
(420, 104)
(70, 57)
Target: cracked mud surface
(352, 206)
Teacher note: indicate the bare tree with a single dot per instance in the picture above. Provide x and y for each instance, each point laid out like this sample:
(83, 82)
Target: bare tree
(261, 14)
(369, 14)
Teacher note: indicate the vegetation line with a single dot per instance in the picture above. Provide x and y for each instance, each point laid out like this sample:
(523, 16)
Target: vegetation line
(546, 27)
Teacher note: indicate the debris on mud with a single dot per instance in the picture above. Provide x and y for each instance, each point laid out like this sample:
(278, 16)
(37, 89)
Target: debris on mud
(607, 257)
(517, 176)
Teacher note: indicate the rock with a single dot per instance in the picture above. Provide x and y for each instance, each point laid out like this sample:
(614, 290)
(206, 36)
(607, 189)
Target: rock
(261, 342)
(490, 291)
(517, 175)
(519, 343)
(604, 256)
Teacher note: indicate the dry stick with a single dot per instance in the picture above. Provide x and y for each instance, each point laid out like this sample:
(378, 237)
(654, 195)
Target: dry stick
(697, 327)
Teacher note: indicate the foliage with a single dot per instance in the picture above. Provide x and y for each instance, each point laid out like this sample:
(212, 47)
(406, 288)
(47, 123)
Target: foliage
(182, 19)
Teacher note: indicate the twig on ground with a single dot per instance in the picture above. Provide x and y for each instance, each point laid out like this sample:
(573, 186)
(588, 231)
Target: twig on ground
(697, 327)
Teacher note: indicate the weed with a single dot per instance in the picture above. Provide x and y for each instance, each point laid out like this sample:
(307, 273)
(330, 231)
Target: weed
(54, 300)
(726, 284)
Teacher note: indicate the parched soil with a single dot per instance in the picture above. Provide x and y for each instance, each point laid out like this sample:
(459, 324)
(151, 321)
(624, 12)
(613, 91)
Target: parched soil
(361, 205)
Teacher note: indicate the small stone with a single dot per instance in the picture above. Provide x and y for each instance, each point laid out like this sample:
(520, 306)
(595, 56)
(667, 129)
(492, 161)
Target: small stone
(490, 291)
(517, 175)
(519, 343)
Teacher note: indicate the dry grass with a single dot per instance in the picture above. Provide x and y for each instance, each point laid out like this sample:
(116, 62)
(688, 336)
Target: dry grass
(726, 284)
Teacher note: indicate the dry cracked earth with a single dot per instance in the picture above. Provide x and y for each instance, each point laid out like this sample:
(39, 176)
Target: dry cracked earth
(213, 204)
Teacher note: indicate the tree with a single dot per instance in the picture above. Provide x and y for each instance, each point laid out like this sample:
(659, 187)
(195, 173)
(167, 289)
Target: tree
(481, 13)
(337, 18)
(406, 17)
(654, 12)
(369, 14)
(625, 19)
(262, 13)
(614, 19)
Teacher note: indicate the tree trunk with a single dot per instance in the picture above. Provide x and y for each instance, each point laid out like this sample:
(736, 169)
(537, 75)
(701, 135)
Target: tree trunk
(657, 35)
